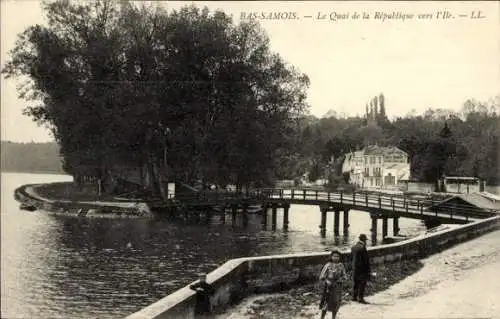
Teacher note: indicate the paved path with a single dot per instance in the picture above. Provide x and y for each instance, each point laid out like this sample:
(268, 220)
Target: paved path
(461, 282)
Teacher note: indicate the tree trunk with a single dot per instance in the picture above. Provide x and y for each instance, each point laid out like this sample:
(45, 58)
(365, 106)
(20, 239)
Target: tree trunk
(152, 178)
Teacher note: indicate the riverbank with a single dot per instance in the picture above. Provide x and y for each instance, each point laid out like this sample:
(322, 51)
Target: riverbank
(31, 196)
(456, 282)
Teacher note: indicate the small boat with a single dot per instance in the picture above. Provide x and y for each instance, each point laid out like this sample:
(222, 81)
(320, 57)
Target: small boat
(27, 207)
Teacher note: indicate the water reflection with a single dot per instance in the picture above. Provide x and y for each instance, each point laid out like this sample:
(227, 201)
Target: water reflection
(70, 267)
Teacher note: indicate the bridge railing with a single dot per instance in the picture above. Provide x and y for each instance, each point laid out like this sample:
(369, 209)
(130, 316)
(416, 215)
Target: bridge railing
(391, 202)
(396, 203)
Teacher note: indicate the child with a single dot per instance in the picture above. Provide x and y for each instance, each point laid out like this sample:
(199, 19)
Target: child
(332, 275)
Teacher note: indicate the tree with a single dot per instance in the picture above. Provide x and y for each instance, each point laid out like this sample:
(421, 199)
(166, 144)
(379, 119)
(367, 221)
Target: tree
(109, 77)
(381, 101)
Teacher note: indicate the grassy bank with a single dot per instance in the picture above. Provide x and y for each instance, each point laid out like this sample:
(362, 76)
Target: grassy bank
(291, 303)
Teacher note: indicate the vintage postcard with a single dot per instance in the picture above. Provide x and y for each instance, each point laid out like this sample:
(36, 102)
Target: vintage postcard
(250, 159)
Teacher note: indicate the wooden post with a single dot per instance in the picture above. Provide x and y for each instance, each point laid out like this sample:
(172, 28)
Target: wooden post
(336, 223)
(233, 213)
(354, 198)
(374, 229)
(264, 215)
(384, 227)
(285, 217)
(366, 199)
(341, 197)
(379, 202)
(395, 226)
(293, 193)
(346, 221)
(245, 214)
(304, 194)
(274, 218)
(223, 215)
(322, 226)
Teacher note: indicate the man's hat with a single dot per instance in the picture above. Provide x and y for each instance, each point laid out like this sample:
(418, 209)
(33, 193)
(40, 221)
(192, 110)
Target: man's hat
(363, 237)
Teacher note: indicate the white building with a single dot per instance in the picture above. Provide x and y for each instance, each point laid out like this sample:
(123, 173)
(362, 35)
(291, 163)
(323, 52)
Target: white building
(377, 167)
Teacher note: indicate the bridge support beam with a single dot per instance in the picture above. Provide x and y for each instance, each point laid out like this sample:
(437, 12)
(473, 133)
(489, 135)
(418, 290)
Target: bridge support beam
(322, 226)
(346, 222)
(223, 215)
(374, 229)
(233, 213)
(285, 217)
(208, 216)
(245, 215)
(395, 226)
(274, 218)
(264, 216)
(384, 226)
(336, 223)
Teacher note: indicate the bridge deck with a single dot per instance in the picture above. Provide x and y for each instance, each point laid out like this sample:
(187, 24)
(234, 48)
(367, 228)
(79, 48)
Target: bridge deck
(396, 205)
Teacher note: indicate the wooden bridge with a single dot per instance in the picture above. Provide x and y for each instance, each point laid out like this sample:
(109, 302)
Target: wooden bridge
(379, 206)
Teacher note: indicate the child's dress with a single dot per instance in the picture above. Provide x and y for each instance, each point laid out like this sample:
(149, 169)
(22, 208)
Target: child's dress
(332, 275)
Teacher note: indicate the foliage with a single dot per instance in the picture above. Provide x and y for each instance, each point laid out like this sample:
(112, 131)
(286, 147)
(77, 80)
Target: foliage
(127, 84)
(438, 142)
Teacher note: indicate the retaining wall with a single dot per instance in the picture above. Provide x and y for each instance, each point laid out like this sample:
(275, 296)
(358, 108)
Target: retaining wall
(81, 209)
(241, 277)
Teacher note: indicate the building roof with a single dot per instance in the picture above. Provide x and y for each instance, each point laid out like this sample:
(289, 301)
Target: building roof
(383, 150)
(475, 200)
(405, 176)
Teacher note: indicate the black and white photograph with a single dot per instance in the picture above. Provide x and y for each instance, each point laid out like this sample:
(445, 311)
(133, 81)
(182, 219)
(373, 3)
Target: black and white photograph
(250, 159)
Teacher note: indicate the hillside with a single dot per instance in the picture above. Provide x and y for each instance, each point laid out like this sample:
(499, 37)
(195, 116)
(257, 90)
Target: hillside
(30, 157)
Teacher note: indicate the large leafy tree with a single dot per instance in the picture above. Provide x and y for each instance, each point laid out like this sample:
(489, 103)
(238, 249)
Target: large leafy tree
(187, 94)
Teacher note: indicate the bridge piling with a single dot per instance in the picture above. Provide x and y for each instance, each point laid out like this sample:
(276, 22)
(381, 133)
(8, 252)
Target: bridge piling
(233, 213)
(264, 215)
(395, 226)
(285, 217)
(384, 226)
(346, 221)
(336, 222)
(245, 215)
(223, 215)
(274, 217)
(322, 226)
(374, 229)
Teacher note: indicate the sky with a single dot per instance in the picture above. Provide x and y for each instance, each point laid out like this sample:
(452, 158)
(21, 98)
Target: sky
(417, 63)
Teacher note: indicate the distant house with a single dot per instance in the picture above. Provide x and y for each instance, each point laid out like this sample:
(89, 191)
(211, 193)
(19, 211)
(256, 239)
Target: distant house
(462, 185)
(377, 167)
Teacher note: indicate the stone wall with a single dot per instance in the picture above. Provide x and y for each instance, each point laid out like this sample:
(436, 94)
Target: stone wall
(81, 209)
(241, 277)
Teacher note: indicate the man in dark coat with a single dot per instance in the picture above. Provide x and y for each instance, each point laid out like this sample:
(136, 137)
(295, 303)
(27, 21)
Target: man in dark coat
(360, 268)
(203, 293)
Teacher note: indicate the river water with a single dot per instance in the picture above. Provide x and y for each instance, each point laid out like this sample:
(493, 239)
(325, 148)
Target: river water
(69, 267)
